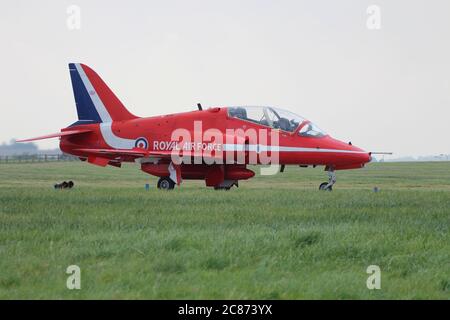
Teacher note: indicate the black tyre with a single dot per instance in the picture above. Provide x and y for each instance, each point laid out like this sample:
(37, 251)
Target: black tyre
(165, 183)
(323, 187)
(222, 188)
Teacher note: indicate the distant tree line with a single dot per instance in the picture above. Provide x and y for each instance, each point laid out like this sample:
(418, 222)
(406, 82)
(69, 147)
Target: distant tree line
(15, 149)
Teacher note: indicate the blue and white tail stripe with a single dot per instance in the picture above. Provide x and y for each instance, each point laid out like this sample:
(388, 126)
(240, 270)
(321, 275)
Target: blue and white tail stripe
(86, 110)
(91, 109)
(95, 99)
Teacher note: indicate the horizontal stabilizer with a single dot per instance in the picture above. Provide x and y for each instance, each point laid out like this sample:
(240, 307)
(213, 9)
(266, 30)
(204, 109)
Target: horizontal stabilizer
(57, 135)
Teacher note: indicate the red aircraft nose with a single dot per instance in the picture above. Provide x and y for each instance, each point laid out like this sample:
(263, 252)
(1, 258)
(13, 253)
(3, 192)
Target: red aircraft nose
(351, 156)
(360, 156)
(365, 157)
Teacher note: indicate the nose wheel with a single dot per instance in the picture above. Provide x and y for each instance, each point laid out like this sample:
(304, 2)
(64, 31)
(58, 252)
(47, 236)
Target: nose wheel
(324, 187)
(328, 186)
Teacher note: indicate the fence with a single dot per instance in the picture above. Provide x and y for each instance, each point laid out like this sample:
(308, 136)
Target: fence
(27, 158)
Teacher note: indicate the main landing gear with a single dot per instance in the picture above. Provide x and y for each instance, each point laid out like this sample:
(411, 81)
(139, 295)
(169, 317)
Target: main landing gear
(227, 185)
(165, 183)
(222, 188)
(328, 186)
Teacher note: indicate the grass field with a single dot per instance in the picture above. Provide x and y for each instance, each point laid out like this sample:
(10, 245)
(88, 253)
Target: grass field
(276, 237)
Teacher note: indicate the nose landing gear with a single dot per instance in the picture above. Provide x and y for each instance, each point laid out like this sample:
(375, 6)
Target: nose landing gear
(328, 186)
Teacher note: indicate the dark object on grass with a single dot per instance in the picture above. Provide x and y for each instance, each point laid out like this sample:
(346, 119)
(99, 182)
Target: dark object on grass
(64, 185)
(376, 189)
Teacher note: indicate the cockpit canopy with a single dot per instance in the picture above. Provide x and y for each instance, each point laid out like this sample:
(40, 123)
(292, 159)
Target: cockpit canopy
(277, 119)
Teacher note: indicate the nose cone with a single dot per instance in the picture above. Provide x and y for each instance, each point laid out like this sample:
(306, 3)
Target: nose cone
(364, 156)
(358, 156)
(350, 156)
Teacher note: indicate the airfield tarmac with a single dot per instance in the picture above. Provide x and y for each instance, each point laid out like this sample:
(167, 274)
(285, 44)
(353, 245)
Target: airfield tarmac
(275, 237)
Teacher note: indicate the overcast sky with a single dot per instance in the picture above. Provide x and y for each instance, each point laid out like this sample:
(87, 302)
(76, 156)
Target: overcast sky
(386, 89)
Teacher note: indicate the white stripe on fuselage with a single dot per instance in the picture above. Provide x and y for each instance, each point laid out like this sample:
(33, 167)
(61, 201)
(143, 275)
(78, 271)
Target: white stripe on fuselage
(263, 148)
(106, 126)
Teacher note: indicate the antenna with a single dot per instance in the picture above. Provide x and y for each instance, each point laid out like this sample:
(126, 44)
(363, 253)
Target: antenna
(199, 106)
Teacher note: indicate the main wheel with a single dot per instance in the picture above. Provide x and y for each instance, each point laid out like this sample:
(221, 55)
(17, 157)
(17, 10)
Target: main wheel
(323, 186)
(222, 188)
(165, 183)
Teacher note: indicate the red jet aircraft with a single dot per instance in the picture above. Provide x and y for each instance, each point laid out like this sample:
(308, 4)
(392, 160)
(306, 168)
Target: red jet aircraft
(214, 145)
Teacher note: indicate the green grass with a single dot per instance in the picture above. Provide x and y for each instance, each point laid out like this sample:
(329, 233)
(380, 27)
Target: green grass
(276, 237)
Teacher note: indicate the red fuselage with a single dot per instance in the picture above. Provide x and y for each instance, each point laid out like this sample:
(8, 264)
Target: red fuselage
(157, 130)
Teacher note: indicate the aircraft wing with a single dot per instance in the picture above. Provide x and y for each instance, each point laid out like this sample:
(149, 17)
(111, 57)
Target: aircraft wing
(115, 152)
(57, 135)
(136, 153)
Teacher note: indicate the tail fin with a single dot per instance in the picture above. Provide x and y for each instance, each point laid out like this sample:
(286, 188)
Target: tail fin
(95, 102)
